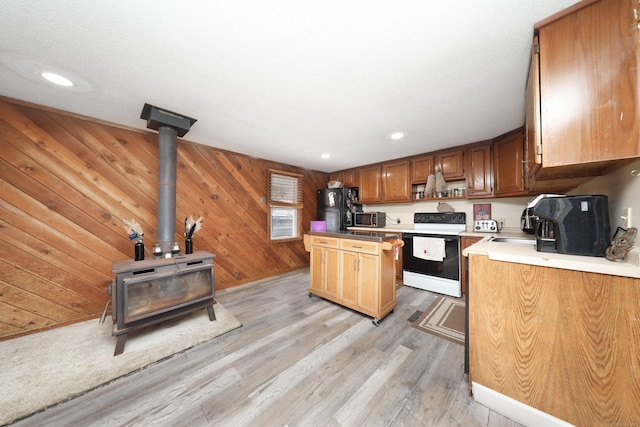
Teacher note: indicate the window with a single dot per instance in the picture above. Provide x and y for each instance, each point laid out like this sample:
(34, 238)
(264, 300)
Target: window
(285, 205)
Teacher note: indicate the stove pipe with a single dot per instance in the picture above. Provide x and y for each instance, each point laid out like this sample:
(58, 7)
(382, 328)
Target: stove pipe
(168, 152)
(169, 126)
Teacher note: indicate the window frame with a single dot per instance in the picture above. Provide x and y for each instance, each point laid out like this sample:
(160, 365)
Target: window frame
(285, 199)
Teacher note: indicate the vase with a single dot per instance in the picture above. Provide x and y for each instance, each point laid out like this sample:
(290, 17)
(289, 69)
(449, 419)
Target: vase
(139, 251)
(188, 246)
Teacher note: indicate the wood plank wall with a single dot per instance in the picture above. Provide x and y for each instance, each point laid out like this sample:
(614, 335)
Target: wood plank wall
(66, 184)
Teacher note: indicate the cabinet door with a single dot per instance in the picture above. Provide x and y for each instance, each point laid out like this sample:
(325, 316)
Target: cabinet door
(533, 145)
(349, 277)
(589, 85)
(332, 272)
(421, 168)
(508, 165)
(316, 270)
(451, 164)
(465, 242)
(396, 185)
(371, 184)
(369, 282)
(349, 178)
(479, 174)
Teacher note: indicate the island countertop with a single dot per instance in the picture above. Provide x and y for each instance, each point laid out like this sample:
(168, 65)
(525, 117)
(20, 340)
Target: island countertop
(527, 254)
(357, 235)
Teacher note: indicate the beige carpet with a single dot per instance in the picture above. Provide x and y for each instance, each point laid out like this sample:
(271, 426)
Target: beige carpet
(444, 318)
(42, 369)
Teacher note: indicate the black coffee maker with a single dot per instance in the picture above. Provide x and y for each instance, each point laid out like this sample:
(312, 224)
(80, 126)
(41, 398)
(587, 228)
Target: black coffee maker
(573, 225)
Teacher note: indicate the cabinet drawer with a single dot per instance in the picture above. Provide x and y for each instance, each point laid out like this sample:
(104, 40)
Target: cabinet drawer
(359, 246)
(327, 242)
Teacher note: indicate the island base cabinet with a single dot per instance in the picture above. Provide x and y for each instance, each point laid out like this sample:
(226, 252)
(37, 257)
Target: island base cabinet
(359, 275)
(349, 277)
(564, 342)
(325, 272)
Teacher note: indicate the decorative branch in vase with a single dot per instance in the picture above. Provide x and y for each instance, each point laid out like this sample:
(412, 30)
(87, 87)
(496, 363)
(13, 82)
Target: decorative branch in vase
(191, 227)
(134, 231)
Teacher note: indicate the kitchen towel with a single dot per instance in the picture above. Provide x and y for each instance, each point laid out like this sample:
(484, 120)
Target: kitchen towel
(429, 248)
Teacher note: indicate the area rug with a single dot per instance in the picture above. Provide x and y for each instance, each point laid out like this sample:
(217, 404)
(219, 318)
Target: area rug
(444, 318)
(42, 369)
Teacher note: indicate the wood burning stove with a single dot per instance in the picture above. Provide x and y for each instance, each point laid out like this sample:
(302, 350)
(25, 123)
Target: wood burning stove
(150, 291)
(146, 292)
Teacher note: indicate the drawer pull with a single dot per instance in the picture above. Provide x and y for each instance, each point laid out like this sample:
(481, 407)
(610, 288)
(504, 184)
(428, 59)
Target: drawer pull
(357, 247)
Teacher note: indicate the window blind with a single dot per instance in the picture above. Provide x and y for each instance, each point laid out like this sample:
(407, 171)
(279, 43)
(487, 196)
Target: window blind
(285, 189)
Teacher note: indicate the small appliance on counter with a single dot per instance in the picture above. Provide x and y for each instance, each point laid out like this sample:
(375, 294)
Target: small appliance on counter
(573, 225)
(486, 226)
(337, 207)
(371, 219)
(528, 221)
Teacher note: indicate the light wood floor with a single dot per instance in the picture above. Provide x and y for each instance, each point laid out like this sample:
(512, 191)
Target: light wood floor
(297, 361)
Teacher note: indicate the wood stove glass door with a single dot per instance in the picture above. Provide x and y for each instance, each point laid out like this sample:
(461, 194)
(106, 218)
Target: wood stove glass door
(151, 294)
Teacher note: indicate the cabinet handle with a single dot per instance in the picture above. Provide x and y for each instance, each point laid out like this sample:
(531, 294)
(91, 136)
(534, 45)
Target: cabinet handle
(355, 265)
(356, 247)
(358, 266)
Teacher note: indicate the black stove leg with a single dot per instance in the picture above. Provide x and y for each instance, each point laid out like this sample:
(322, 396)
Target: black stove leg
(212, 314)
(120, 344)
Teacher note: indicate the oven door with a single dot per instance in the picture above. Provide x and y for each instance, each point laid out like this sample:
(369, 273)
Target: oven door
(435, 276)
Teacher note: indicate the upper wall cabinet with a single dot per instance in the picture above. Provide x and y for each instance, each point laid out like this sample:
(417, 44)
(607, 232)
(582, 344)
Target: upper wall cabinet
(588, 85)
(370, 184)
(479, 171)
(421, 168)
(508, 168)
(348, 178)
(389, 182)
(396, 184)
(451, 164)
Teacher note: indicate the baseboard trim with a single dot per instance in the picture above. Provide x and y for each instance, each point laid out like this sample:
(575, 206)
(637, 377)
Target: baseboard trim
(511, 408)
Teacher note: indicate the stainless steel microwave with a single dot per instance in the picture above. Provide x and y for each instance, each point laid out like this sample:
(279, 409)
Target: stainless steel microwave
(370, 219)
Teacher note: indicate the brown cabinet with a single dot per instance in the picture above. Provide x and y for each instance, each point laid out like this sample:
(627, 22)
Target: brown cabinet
(370, 184)
(451, 164)
(388, 182)
(508, 165)
(396, 184)
(465, 242)
(588, 90)
(421, 168)
(569, 335)
(532, 145)
(479, 173)
(348, 178)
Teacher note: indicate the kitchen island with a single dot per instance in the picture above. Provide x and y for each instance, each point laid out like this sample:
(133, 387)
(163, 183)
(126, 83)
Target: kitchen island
(554, 338)
(355, 269)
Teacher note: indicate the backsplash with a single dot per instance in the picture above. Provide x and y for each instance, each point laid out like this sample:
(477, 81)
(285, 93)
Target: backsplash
(623, 190)
(620, 186)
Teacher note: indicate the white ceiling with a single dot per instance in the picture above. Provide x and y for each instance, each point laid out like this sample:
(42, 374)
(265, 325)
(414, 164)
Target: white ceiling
(283, 80)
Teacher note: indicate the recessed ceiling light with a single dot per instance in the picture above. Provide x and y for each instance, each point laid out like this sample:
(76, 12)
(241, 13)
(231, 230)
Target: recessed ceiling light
(395, 136)
(326, 155)
(57, 79)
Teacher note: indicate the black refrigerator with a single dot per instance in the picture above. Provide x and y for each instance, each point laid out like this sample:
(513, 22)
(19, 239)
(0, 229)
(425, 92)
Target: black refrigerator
(336, 206)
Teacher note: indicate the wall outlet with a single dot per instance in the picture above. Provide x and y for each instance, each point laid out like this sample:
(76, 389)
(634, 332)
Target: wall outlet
(501, 223)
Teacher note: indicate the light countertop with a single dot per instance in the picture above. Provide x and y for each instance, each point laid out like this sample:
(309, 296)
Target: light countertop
(527, 254)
